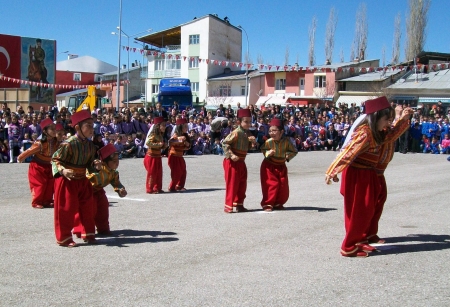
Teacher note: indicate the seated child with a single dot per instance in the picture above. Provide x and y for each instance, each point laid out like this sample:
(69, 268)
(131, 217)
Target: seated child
(445, 145)
(217, 147)
(140, 142)
(310, 143)
(129, 149)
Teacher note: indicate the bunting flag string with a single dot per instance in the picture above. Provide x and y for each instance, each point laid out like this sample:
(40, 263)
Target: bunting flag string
(58, 86)
(284, 67)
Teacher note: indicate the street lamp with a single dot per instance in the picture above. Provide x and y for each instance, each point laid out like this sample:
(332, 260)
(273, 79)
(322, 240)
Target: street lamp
(62, 52)
(246, 66)
(118, 66)
(128, 56)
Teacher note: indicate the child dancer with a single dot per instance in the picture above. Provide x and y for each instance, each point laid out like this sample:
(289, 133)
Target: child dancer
(235, 147)
(386, 154)
(73, 191)
(179, 142)
(360, 184)
(273, 172)
(108, 174)
(152, 160)
(40, 169)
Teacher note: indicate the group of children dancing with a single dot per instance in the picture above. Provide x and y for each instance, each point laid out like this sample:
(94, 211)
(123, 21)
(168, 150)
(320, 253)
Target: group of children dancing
(76, 173)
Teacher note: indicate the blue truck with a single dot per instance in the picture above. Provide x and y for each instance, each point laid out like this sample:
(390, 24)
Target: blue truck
(175, 89)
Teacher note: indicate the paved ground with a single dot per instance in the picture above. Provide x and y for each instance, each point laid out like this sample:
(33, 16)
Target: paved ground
(182, 250)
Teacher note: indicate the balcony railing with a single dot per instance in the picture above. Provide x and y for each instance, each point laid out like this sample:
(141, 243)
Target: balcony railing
(171, 73)
(173, 47)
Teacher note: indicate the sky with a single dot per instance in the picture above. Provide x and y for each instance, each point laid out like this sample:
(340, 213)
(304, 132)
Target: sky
(84, 27)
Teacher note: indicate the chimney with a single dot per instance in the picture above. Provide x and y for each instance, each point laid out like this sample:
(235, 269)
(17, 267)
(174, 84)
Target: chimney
(124, 66)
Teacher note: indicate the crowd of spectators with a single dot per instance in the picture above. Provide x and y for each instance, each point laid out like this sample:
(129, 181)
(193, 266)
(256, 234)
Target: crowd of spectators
(322, 126)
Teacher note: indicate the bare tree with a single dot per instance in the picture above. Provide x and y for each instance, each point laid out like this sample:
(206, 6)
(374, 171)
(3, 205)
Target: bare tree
(260, 59)
(329, 36)
(312, 37)
(286, 56)
(361, 31)
(397, 36)
(416, 24)
(352, 52)
(341, 55)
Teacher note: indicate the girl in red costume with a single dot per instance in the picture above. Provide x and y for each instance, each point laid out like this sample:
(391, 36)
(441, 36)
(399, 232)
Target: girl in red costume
(152, 160)
(179, 142)
(274, 175)
(357, 161)
(40, 169)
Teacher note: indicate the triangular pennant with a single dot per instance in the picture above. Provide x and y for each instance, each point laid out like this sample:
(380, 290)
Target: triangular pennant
(207, 61)
(227, 63)
(277, 67)
(269, 66)
(134, 49)
(233, 64)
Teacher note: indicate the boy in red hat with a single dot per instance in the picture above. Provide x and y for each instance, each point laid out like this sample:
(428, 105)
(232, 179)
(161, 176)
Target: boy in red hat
(178, 143)
(358, 161)
(40, 169)
(73, 191)
(273, 172)
(108, 174)
(152, 160)
(235, 147)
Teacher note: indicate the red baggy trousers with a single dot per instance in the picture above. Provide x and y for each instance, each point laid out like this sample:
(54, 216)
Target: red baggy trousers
(274, 184)
(72, 197)
(373, 227)
(41, 183)
(177, 172)
(235, 183)
(361, 189)
(153, 165)
(100, 211)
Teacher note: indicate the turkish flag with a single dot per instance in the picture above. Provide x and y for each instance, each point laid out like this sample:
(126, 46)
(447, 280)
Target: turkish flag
(10, 54)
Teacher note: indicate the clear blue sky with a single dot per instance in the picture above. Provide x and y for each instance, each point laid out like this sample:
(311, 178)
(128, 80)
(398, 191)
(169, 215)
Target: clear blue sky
(84, 27)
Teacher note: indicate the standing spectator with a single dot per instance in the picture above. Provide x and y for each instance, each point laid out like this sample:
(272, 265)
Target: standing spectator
(332, 138)
(15, 138)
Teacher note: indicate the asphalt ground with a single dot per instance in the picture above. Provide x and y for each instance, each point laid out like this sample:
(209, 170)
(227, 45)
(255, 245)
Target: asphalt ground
(181, 249)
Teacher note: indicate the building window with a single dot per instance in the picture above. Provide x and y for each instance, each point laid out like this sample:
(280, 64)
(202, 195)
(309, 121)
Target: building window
(155, 88)
(242, 90)
(320, 81)
(194, 39)
(194, 86)
(77, 76)
(280, 84)
(224, 90)
(302, 83)
(173, 64)
(159, 64)
(193, 62)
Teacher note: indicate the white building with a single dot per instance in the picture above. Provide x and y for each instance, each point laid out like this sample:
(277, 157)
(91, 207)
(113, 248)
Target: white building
(195, 50)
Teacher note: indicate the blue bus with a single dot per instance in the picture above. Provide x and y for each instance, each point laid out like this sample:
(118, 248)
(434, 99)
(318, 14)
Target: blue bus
(175, 89)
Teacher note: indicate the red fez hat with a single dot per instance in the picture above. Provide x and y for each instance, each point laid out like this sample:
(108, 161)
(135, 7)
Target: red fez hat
(79, 116)
(244, 113)
(158, 120)
(59, 127)
(377, 104)
(181, 121)
(276, 122)
(46, 122)
(106, 151)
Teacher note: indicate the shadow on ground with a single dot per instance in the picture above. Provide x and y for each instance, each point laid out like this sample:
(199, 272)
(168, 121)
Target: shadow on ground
(125, 237)
(413, 243)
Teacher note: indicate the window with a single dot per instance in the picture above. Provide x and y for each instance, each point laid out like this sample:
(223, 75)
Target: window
(194, 86)
(193, 62)
(77, 76)
(302, 83)
(224, 90)
(194, 39)
(173, 64)
(242, 90)
(280, 84)
(320, 81)
(155, 88)
(159, 64)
